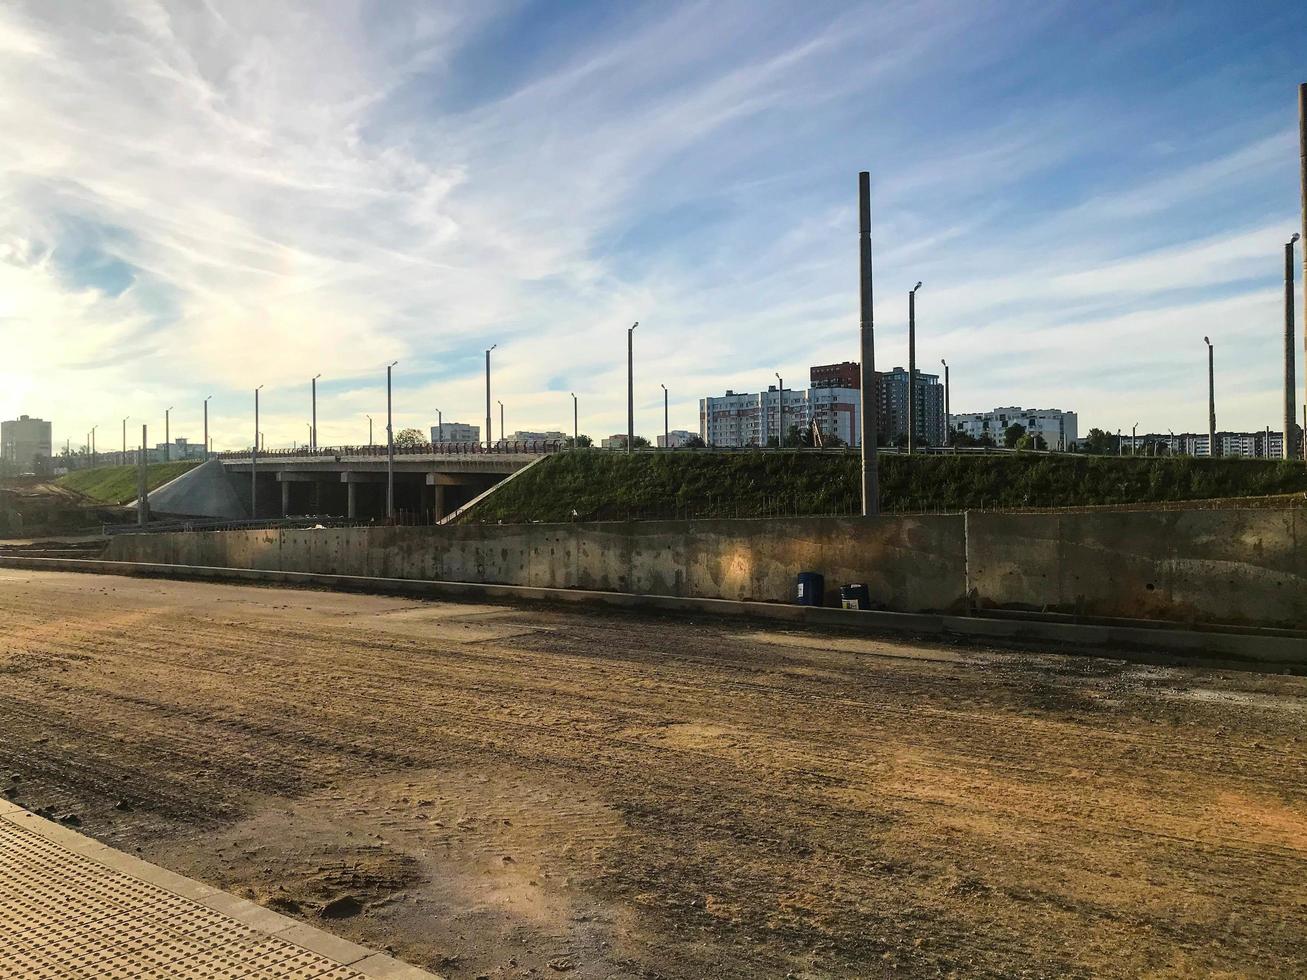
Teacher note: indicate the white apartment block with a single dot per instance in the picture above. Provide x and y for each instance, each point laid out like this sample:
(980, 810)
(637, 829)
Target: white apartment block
(675, 439)
(1267, 444)
(1057, 427)
(739, 419)
(523, 435)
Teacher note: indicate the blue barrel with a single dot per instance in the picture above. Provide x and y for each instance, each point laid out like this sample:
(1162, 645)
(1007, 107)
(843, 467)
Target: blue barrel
(810, 589)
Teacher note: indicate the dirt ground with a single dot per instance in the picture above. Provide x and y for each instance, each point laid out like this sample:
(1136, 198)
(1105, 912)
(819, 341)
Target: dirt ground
(501, 791)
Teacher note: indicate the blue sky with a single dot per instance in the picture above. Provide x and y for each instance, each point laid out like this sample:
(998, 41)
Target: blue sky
(201, 197)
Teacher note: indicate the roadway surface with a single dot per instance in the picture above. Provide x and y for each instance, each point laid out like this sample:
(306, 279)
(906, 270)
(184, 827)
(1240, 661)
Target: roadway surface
(499, 791)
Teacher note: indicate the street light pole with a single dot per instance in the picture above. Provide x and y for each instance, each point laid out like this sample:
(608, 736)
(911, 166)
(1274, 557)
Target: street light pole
(1134, 445)
(369, 418)
(576, 428)
(489, 441)
(948, 418)
(867, 422)
(1290, 382)
(503, 436)
(390, 450)
(94, 455)
(912, 367)
(1211, 399)
(667, 435)
(167, 435)
(206, 425)
(630, 388)
(780, 410)
(254, 459)
(123, 461)
(313, 426)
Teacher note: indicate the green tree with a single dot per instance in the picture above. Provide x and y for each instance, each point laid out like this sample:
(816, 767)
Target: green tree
(409, 438)
(694, 442)
(582, 441)
(1012, 434)
(1100, 443)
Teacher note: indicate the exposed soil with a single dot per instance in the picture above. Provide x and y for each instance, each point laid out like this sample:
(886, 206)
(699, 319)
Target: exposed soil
(501, 791)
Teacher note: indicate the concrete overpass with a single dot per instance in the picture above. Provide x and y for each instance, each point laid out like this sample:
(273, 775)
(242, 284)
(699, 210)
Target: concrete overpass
(350, 482)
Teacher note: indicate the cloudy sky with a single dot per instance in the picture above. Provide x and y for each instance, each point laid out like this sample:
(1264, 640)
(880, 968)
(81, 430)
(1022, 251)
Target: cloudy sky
(200, 197)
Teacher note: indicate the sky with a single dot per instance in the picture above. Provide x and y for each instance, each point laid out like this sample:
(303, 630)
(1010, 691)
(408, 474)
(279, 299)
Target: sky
(201, 197)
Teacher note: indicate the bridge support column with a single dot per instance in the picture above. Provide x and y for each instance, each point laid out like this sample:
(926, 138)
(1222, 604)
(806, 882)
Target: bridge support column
(438, 501)
(285, 499)
(352, 509)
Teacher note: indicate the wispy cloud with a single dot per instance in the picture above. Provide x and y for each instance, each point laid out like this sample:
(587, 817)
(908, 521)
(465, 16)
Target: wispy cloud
(201, 198)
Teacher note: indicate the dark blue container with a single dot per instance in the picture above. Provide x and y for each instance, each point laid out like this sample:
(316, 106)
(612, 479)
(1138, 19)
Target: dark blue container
(810, 589)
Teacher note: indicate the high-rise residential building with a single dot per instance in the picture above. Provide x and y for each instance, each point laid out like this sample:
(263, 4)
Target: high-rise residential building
(928, 421)
(455, 432)
(739, 419)
(1264, 444)
(25, 443)
(1058, 428)
(846, 374)
(534, 437)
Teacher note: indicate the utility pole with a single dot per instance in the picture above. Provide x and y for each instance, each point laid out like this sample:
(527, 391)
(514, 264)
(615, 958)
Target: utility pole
(206, 425)
(489, 441)
(948, 418)
(503, 435)
(369, 418)
(123, 461)
(313, 426)
(167, 435)
(867, 422)
(142, 493)
(780, 411)
(440, 426)
(1290, 395)
(630, 388)
(576, 428)
(912, 367)
(1211, 399)
(94, 454)
(390, 450)
(1134, 445)
(1302, 177)
(667, 435)
(254, 459)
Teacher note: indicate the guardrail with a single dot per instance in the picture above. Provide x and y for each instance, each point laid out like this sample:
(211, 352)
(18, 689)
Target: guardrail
(421, 449)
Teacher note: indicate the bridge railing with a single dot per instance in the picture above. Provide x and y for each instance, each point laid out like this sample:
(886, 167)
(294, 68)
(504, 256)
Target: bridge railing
(500, 448)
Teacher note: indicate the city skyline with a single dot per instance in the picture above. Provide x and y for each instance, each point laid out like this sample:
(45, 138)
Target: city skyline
(198, 208)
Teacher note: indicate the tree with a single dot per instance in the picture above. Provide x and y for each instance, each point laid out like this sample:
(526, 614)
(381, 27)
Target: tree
(582, 441)
(409, 438)
(965, 439)
(694, 442)
(1012, 434)
(640, 442)
(1031, 441)
(1100, 443)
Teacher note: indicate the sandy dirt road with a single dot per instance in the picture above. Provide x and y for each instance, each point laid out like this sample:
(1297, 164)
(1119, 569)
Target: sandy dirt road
(500, 791)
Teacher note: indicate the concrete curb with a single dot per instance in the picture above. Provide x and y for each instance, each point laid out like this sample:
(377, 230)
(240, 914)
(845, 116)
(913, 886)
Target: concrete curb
(376, 966)
(1199, 644)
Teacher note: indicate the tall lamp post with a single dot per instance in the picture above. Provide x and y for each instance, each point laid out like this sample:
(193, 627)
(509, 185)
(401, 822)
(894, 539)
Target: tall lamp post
(206, 425)
(440, 426)
(780, 410)
(1211, 399)
(390, 450)
(630, 387)
(667, 435)
(254, 459)
(313, 425)
(123, 461)
(167, 434)
(503, 436)
(576, 428)
(94, 455)
(489, 438)
(1134, 446)
(912, 367)
(369, 418)
(1289, 380)
(867, 422)
(948, 408)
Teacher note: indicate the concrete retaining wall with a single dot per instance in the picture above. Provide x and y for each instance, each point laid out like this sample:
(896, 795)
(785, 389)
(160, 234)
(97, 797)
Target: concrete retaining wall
(1213, 566)
(910, 564)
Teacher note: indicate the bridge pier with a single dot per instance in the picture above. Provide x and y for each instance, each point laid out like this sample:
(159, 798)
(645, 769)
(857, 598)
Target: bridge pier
(352, 509)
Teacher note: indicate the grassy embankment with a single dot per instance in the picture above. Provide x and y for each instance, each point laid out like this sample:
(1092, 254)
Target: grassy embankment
(612, 486)
(118, 484)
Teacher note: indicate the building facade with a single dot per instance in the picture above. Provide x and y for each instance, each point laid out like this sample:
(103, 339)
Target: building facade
(455, 432)
(739, 419)
(525, 436)
(1058, 428)
(1267, 444)
(25, 443)
(928, 420)
(846, 374)
(676, 439)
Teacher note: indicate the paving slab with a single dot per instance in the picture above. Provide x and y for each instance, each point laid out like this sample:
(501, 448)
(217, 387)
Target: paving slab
(71, 907)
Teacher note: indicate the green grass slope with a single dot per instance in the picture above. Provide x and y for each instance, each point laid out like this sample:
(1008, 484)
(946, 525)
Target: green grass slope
(117, 484)
(599, 485)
